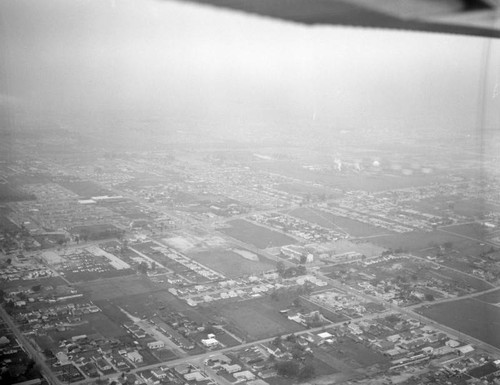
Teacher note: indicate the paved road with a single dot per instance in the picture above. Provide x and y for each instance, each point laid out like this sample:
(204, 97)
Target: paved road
(201, 357)
(33, 353)
(469, 238)
(410, 312)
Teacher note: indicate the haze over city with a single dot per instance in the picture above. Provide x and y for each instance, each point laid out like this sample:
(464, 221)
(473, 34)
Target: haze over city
(196, 195)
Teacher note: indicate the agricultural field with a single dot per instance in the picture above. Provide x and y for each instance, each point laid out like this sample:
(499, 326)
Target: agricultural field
(376, 181)
(85, 189)
(156, 302)
(474, 207)
(355, 353)
(25, 283)
(117, 287)
(91, 324)
(472, 230)
(12, 194)
(304, 189)
(417, 240)
(257, 236)
(352, 227)
(492, 297)
(6, 225)
(87, 276)
(474, 317)
(256, 318)
(231, 263)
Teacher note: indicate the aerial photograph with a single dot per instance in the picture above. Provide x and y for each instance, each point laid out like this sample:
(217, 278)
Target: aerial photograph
(249, 192)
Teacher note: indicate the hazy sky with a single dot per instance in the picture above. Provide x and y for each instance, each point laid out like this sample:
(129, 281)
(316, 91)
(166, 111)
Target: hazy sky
(162, 59)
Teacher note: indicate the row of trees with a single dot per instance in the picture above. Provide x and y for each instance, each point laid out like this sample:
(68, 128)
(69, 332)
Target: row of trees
(295, 369)
(291, 271)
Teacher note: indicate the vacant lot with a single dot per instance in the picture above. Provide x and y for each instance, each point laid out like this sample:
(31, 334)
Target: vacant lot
(377, 181)
(230, 263)
(159, 302)
(255, 319)
(50, 281)
(258, 236)
(91, 324)
(11, 194)
(493, 297)
(472, 230)
(118, 287)
(85, 276)
(304, 189)
(347, 349)
(85, 188)
(478, 319)
(417, 240)
(335, 222)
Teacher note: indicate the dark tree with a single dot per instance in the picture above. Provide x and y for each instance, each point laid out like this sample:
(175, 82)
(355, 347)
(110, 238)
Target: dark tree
(287, 368)
(36, 288)
(280, 267)
(306, 372)
(142, 267)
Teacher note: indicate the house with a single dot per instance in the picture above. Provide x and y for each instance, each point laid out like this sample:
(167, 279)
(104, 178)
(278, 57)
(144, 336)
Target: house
(231, 368)
(158, 373)
(267, 374)
(155, 345)
(183, 368)
(134, 356)
(210, 342)
(257, 382)
(62, 358)
(218, 359)
(452, 343)
(428, 350)
(103, 365)
(462, 350)
(148, 376)
(245, 375)
(393, 338)
(195, 376)
(442, 351)
(325, 335)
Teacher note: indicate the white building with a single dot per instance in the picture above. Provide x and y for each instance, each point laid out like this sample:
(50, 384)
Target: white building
(155, 345)
(210, 342)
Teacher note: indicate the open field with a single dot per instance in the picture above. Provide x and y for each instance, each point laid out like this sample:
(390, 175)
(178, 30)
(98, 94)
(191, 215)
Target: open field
(472, 230)
(230, 263)
(256, 318)
(91, 324)
(85, 188)
(470, 207)
(86, 276)
(493, 297)
(347, 349)
(478, 319)
(350, 226)
(376, 181)
(417, 240)
(6, 225)
(474, 207)
(304, 189)
(159, 302)
(322, 368)
(258, 236)
(118, 287)
(112, 311)
(454, 276)
(50, 281)
(11, 194)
